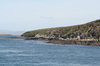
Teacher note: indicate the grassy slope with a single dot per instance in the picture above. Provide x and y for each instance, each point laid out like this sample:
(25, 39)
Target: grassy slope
(91, 29)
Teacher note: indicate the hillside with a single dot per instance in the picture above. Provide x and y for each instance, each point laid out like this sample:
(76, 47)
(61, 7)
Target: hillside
(90, 30)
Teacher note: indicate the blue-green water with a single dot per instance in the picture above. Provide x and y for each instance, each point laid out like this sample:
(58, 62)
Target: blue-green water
(17, 52)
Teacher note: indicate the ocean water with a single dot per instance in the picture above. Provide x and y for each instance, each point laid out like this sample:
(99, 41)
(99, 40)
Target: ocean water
(18, 52)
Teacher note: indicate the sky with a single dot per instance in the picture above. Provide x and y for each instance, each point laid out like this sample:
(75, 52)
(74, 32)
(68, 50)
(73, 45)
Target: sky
(25, 15)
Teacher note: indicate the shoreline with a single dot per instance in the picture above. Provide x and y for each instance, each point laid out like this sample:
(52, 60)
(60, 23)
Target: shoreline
(71, 42)
(15, 37)
(61, 42)
(67, 42)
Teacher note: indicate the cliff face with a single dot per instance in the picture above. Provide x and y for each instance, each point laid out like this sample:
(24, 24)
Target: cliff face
(89, 30)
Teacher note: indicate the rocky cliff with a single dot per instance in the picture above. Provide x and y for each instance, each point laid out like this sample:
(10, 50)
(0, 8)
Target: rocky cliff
(88, 31)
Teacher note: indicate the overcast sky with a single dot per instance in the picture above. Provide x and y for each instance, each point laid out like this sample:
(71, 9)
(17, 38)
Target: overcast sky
(24, 15)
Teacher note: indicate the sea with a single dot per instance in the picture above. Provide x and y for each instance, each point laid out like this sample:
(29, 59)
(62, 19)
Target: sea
(19, 52)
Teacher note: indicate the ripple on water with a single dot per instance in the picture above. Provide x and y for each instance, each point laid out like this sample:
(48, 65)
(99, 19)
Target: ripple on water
(8, 51)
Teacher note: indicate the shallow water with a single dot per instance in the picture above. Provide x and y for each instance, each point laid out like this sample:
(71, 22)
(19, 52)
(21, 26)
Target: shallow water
(17, 52)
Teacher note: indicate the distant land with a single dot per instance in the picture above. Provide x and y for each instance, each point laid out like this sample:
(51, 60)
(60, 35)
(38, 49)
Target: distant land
(6, 35)
(11, 32)
(84, 34)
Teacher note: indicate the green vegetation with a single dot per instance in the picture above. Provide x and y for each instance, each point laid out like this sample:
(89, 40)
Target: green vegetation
(88, 30)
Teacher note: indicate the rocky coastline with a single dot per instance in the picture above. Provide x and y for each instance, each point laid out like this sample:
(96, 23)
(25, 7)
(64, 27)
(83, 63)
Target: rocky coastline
(71, 42)
(67, 42)
(84, 34)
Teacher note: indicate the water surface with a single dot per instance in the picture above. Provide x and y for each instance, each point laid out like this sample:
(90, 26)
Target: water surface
(17, 52)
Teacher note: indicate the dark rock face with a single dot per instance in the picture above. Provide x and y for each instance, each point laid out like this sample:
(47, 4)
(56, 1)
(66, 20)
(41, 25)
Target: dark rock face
(71, 42)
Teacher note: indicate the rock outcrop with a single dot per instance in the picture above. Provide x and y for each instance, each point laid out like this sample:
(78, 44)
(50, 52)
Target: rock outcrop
(88, 31)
